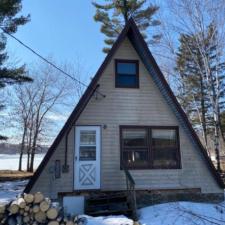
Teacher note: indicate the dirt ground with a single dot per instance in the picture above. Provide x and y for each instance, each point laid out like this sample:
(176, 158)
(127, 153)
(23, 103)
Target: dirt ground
(10, 175)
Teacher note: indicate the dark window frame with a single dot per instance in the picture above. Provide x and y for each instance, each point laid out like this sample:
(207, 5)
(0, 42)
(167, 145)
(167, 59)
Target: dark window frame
(150, 150)
(117, 74)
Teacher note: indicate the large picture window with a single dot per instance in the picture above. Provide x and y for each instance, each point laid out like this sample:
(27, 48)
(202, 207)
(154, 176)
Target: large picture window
(150, 147)
(126, 73)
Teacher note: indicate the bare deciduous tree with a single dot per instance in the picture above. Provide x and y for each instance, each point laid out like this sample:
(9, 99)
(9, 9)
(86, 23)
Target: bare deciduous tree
(49, 93)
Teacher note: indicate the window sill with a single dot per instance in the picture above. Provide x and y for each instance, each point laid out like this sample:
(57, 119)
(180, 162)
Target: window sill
(156, 168)
(125, 87)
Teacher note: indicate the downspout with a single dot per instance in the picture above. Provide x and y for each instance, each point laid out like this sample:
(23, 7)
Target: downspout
(65, 168)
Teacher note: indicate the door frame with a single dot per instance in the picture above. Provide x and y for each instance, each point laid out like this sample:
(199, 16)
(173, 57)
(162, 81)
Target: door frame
(77, 130)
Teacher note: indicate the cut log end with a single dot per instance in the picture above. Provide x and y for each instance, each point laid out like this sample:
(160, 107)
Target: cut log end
(29, 198)
(52, 213)
(14, 208)
(2, 209)
(34, 209)
(38, 197)
(53, 223)
(40, 217)
(44, 205)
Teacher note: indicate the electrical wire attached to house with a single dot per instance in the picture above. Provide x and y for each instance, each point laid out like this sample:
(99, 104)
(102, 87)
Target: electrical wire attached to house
(47, 61)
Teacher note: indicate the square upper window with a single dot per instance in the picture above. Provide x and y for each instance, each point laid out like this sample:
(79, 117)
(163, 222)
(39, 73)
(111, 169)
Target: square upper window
(126, 74)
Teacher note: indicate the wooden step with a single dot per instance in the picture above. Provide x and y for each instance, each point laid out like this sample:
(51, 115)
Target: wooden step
(108, 199)
(127, 212)
(108, 204)
(107, 195)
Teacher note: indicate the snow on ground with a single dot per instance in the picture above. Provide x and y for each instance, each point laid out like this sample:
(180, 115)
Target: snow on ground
(108, 220)
(10, 162)
(10, 189)
(176, 213)
(183, 213)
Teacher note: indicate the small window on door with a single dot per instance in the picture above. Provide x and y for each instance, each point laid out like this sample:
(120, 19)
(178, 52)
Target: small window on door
(126, 74)
(87, 145)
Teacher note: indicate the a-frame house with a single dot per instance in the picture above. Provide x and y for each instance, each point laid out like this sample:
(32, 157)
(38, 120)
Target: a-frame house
(128, 120)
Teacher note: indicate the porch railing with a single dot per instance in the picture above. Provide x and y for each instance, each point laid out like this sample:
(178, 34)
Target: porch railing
(131, 193)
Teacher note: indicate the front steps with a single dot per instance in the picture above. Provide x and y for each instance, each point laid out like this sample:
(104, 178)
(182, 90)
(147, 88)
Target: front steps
(108, 204)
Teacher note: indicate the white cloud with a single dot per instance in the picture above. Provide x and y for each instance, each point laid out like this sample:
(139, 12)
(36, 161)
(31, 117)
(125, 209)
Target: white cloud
(56, 117)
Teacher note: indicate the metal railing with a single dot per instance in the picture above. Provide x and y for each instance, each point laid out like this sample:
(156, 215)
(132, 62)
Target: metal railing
(131, 193)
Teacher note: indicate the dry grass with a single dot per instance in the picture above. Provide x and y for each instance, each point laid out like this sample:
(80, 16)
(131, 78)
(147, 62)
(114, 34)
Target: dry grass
(8, 175)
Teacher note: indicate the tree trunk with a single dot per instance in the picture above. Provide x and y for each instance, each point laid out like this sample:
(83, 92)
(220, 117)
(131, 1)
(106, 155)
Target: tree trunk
(28, 159)
(29, 148)
(216, 144)
(33, 150)
(203, 112)
(215, 106)
(216, 111)
(20, 159)
(31, 167)
(125, 13)
(22, 147)
(221, 130)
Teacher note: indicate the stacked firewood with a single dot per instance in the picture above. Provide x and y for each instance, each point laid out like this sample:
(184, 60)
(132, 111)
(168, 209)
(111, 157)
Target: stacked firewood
(34, 209)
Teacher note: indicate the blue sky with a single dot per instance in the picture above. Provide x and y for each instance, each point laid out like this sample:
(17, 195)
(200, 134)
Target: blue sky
(64, 30)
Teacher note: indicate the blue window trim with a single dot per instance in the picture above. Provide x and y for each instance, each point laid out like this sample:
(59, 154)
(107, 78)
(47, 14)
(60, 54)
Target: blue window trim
(136, 62)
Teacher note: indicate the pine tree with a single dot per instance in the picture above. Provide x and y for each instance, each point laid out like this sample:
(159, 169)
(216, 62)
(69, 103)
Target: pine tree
(222, 123)
(9, 21)
(193, 89)
(215, 66)
(115, 13)
(201, 68)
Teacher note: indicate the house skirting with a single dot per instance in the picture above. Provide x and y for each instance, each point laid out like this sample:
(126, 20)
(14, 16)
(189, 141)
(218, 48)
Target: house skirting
(152, 197)
(147, 197)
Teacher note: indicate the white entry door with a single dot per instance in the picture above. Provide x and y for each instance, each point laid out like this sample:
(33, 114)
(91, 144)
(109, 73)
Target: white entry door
(87, 157)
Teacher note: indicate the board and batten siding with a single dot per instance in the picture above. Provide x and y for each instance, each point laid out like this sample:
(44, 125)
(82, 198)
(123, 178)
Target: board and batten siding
(128, 106)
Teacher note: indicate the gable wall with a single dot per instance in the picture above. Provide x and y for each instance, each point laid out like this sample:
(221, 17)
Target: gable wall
(46, 183)
(143, 106)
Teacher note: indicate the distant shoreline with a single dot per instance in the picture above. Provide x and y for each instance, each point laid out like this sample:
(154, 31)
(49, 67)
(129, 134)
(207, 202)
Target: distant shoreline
(11, 161)
(7, 148)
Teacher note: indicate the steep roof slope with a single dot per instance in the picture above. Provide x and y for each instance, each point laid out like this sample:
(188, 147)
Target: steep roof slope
(131, 31)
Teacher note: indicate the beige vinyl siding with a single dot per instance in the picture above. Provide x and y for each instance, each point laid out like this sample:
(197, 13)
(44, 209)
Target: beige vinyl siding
(125, 106)
(46, 183)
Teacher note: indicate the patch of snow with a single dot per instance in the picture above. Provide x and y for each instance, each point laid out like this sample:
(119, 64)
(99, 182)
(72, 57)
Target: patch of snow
(10, 162)
(176, 213)
(108, 220)
(183, 213)
(9, 190)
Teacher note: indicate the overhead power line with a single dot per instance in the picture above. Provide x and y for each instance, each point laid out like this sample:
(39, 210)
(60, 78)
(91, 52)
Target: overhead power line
(48, 62)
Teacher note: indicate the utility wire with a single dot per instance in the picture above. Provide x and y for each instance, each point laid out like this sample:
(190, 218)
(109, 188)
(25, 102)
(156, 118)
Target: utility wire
(48, 62)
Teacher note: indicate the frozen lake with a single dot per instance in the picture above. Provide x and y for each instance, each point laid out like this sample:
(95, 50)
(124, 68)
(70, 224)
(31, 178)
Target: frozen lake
(10, 162)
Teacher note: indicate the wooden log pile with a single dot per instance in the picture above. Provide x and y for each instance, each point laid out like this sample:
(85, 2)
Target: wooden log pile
(35, 209)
